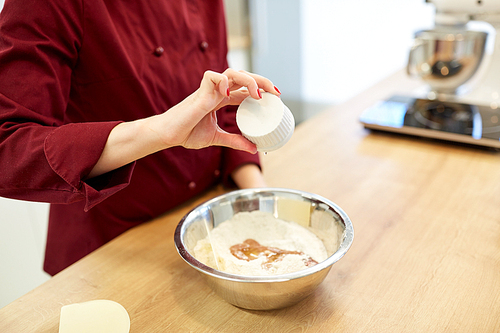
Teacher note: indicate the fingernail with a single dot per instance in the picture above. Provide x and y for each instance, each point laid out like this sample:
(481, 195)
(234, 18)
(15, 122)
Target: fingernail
(227, 92)
(258, 91)
(277, 90)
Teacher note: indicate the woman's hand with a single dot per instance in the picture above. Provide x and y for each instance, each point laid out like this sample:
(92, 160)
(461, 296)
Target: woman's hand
(191, 123)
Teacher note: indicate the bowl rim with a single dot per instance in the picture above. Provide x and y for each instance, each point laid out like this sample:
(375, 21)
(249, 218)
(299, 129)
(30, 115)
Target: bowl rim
(325, 264)
(442, 33)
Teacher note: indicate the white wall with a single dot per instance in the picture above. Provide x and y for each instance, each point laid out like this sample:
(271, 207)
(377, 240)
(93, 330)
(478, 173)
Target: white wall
(323, 52)
(23, 230)
(349, 45)
(276, 44)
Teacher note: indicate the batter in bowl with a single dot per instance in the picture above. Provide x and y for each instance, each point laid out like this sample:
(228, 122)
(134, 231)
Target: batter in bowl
(258, 244)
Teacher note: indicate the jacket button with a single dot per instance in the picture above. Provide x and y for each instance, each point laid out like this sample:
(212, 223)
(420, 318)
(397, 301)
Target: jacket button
(217, 173)
(158, 51)
(203, 45)
(192, 185)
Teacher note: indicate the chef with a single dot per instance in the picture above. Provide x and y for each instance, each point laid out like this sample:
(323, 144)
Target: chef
(117, 111)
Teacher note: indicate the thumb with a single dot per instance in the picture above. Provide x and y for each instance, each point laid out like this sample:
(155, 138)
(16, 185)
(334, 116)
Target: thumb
(235, 141)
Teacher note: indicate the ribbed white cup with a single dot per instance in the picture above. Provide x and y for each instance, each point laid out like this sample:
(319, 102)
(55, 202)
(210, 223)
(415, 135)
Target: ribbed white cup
(267, 122)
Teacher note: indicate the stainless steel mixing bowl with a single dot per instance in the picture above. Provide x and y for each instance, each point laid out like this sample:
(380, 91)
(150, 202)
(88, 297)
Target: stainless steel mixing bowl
(328, 221)
(446, 58)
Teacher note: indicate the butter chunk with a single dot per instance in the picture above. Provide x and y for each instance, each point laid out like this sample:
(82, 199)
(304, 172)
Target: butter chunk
(293, 210)
(94, 317)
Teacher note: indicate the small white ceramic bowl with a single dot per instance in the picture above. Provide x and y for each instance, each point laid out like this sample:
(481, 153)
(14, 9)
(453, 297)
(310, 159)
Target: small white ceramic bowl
(267, 122)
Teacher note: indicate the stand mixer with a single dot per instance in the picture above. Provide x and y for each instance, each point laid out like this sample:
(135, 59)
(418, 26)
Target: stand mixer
(461, 99)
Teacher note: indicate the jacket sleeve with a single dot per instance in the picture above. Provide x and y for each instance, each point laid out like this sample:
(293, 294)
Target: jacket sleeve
(231, 158)
(42, 158)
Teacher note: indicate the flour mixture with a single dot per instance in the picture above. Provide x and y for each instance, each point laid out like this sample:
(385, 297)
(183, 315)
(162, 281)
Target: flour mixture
(256, 244)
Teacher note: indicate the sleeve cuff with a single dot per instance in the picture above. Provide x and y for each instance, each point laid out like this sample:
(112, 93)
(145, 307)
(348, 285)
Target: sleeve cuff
(233, 159)
(72, 150)
(99, 188)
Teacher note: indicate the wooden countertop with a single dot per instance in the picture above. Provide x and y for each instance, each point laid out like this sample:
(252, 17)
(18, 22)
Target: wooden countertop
(425, 257)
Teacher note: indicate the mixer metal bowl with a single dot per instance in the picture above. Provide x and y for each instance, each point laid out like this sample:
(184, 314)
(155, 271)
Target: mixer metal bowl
(446, 58)
(322, 216)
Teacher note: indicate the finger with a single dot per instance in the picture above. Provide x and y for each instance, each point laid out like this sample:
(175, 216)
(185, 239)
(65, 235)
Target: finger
(241, 79)
(235, 98)
(234, 141)
(264, 83)
(215, 81)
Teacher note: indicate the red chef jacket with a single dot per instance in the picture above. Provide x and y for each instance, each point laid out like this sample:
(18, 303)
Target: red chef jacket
(70, 70)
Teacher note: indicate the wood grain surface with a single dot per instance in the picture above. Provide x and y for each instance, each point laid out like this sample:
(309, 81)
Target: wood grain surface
(425, 257)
